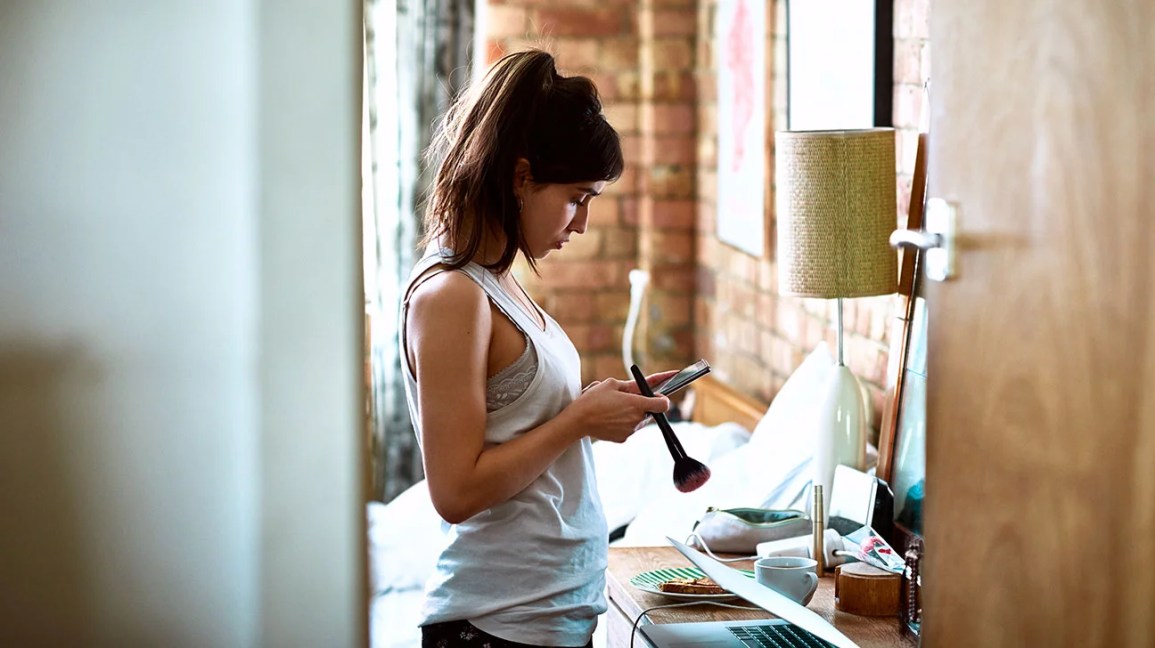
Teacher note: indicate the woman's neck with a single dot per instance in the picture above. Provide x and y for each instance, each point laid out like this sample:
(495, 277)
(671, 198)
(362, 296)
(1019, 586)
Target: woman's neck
(488, 253)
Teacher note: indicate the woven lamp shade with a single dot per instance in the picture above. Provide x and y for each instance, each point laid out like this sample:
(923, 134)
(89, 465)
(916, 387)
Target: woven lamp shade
(836, 208)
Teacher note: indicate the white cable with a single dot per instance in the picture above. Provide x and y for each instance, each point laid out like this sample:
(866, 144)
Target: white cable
(639, 279)
(696, 539)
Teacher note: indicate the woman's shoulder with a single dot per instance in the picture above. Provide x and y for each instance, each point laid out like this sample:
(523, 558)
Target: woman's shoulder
(445, 291)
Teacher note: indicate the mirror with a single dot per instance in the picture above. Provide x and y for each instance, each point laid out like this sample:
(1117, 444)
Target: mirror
(908, 468)
(902, 438)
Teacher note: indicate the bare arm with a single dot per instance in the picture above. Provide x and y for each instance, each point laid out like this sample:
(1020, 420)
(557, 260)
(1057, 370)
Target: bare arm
(448, 330)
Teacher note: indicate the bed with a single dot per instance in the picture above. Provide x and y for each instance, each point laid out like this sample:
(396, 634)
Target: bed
(758, 454)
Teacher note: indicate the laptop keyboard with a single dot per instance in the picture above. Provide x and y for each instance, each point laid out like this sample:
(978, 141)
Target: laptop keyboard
(778, 636)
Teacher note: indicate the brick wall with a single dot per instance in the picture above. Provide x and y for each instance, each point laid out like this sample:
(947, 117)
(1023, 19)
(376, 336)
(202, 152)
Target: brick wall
(654, 64)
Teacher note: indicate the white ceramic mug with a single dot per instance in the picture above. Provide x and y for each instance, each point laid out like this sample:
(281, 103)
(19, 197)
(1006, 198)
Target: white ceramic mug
(791, 576)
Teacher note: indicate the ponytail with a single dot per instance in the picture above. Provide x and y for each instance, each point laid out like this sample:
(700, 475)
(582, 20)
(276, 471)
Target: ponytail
(522, 109)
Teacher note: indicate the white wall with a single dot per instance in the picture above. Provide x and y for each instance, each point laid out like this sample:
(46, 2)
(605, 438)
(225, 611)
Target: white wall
(179, 324)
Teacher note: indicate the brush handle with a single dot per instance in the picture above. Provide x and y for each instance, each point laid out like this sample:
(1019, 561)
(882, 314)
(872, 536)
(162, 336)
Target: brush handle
(672, 442)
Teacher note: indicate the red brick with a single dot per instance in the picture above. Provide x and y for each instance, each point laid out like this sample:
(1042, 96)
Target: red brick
(602, 337)
(573, 306)
(675, 149)
(613, 305)
(674, 214)
(607, 85)
(606, 365)
(579, 21)
(744, 267)
(707, 83)
(907, 106)
(671, 181)
(604, 212)
(585, 246)
(791, 320)
(676, 22)
(629, 212)
(629, 86)
(672, 54)
(678, 279)
(673, 246)
(621, 243)
(622, 116)
(907, 61)
(576, 54)
(618, 54)
(745, 300)
(505, 20)
(706, 225)
(673, 86)
(627, 185)
(705, 282)
(674, 118)
(908, 141)
(583, 274)
(631, 148)
(671, 310)
(707, 185)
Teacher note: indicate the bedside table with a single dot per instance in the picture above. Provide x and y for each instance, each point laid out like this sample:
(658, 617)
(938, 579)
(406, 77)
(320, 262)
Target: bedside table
(626, 602)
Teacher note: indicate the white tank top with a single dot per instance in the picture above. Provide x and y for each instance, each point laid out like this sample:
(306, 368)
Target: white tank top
(531, 569)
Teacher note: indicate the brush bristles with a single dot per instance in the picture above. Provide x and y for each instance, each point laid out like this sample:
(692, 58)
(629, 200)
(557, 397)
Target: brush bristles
(690, 474)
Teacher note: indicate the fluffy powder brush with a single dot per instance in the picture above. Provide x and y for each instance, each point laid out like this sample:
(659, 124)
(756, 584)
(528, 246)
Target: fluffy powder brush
(689, 473)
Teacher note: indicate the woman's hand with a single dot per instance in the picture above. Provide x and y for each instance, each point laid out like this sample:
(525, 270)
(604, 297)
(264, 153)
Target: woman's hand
(612, 409)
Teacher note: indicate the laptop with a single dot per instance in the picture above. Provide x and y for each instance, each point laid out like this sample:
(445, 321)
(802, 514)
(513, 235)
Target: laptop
(796, 626)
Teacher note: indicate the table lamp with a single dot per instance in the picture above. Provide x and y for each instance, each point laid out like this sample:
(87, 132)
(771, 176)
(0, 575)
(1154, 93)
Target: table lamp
(836, 207)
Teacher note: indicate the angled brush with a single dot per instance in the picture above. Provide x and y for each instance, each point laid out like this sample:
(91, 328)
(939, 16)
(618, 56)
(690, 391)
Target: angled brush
(689, 473)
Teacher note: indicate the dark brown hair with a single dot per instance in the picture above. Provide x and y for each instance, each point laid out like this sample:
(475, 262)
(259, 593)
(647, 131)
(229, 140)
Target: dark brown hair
(522, 109)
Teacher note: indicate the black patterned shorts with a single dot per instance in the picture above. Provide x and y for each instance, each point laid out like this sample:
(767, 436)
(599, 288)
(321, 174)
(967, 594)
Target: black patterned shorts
(450, 634)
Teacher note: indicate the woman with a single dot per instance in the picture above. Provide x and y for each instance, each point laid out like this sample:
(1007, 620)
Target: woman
(493, 383)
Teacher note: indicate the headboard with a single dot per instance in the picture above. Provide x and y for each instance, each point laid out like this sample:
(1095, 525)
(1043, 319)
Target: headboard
(716, 402)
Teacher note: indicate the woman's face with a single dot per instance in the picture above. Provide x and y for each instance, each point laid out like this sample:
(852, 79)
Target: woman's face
(552, 213)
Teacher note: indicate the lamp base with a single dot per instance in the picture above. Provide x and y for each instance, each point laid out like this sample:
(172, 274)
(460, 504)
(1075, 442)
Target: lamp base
(840, 436)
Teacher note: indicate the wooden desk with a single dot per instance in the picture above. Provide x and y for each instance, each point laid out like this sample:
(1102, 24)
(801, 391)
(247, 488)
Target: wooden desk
(626, 602)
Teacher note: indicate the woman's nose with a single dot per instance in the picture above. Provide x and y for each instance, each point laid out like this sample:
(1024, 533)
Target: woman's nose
(580, 220)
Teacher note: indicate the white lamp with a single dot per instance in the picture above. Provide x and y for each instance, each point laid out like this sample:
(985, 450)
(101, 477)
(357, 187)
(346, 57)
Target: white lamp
(836, 207)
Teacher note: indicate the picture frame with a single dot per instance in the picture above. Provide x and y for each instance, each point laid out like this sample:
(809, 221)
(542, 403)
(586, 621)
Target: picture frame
(742, 117)
(839, 64)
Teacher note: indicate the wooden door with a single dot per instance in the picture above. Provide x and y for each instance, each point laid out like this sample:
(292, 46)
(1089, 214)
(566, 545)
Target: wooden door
(1040, 517)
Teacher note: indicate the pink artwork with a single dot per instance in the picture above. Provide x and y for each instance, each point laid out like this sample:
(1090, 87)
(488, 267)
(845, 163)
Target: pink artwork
(740, 64)
(740, 31)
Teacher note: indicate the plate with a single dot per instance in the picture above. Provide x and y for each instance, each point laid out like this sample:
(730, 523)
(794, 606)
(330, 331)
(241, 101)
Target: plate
(648, 582)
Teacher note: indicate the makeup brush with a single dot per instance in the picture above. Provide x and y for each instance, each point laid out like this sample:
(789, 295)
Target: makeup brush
(689, 473)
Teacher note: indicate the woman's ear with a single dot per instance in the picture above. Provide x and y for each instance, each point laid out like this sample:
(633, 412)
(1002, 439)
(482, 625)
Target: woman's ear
(521, 175)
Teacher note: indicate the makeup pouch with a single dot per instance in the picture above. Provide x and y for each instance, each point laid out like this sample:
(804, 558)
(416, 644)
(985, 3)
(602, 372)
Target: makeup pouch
(739, 530)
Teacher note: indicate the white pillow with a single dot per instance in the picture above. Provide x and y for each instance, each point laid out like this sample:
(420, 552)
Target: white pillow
(771, 471)
(633, 473)
(793, 410)
(405, 539)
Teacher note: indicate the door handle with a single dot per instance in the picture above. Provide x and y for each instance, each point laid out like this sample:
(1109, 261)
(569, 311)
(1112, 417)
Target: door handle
(937, 239)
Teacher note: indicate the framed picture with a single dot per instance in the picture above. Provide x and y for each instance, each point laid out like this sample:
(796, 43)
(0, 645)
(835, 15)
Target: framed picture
(840, 64)
(740, 34)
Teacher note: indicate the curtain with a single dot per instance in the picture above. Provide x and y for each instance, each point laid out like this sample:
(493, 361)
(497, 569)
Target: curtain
(417, 55)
